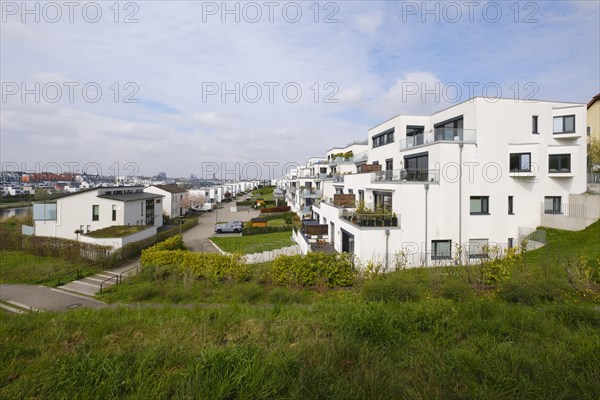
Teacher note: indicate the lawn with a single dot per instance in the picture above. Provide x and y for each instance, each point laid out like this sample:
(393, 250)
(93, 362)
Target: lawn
(117, 231)
(21, 267)
(265, 193)
(254, 243)
(425, 333)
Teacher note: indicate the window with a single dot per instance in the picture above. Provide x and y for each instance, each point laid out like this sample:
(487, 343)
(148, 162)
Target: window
(449, 129)
(534, 124)
(157, 201)
(416, 166)
(441, 249)
(95, 212)
(384, 138)
(361, 196)
(383, 200)
(480, 205)
(81, 228)
(510, 243)
(389, 168)
(478, 248)
(89, 229)
(564, 124)
(552, 205)
(414, 135)
(559, 163)
(114, 213)
(142, 208)
(520, 162)
(511, 211)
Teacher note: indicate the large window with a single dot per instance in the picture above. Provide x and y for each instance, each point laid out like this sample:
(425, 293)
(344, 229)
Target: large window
(416, 166)
(480, 205)
(449, 129)
(564, 124)
(478, 248)
(552, 205)
(559, 163)
(441, 249)
(383, 200)
(96, 212)
(383, 138)
(414, 135)
(520, 162)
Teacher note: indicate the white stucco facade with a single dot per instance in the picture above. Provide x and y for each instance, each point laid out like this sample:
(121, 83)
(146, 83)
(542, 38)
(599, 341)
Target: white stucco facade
(470, 174)
(175, 199)
(95, 209)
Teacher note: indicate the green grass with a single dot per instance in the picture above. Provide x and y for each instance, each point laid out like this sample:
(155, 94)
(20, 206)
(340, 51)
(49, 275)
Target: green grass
(117, 231)
(435, 333)
(433, 349)
(265, 193)
(254, 243)
(276, 222)
(21, 267)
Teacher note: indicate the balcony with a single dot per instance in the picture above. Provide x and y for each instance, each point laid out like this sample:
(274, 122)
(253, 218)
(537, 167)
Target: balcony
(439, 135)
(370, 219)
(406, 176)
(311, 193)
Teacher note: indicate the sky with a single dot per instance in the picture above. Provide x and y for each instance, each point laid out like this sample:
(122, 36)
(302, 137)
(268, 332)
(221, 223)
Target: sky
(243, 90)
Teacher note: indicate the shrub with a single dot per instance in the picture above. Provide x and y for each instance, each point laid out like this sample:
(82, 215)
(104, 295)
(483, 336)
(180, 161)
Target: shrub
(169, 258)
(259, 230)
(275, 209)
(314, 268)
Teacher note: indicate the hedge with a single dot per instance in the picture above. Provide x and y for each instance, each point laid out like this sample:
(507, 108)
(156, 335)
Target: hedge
(314, 268)
(169, 257)
(249, 230)
(275, 209)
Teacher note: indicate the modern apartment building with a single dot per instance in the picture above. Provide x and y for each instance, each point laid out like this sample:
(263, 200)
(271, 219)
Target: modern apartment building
(475, 174)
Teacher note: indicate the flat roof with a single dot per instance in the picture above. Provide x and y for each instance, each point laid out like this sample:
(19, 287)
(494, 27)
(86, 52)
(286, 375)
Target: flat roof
(131, 196)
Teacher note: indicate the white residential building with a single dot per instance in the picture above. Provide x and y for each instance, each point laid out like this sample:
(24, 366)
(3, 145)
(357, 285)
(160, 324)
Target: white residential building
(176, 199)
(473, 174)
(89, 210)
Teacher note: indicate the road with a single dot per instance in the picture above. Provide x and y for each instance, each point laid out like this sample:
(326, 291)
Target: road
(196, 238)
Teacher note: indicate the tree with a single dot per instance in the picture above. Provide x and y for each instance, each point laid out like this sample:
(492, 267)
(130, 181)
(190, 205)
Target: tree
(594, 154)
(193, 201)
(41, 194)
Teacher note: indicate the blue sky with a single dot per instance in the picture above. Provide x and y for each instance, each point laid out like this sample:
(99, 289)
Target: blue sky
(356, 63)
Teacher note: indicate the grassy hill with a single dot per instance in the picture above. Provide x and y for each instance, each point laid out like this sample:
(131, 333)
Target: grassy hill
(443, 333)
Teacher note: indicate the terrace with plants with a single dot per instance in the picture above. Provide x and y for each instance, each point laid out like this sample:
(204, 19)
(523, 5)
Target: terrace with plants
(365, 216)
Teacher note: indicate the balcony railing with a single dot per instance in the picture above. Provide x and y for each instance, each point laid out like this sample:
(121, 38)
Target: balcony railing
(312, 193)
(370, 219)
(406, 175)
(440, 135)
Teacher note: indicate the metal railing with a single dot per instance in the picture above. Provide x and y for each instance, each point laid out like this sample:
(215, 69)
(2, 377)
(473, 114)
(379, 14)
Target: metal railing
(137, 270)
(406, 175)
(370, 219)
(109, 279)
(439, 135)
(565, 209)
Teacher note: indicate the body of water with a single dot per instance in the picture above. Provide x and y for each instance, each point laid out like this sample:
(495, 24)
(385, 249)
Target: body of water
(10, 212)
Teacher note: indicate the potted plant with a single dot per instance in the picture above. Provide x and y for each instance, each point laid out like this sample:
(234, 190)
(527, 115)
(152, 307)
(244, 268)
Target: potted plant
(394, 220)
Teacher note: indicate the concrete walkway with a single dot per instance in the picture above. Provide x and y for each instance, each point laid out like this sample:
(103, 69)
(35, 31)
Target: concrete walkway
(35, 298)
(265, 256)
(91, 285)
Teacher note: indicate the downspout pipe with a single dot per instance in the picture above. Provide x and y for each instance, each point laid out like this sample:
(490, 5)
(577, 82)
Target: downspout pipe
(460, 174)
(426, 212)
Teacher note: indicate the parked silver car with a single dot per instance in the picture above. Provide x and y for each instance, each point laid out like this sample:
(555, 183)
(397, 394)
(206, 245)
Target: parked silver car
(229, 227)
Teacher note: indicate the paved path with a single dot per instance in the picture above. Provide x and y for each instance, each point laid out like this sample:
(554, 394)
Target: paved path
(90, 285)
(270, 255)
(34, 298)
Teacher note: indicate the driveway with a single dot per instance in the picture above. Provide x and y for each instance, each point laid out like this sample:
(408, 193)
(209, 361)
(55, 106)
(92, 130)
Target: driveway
(196, 238)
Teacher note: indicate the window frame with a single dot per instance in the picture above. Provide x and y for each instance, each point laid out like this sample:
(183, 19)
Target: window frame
(481, 254)
(560, 162)
(383, 138)
(563, 118)
(435, 250)
(554, 210)
(519, 155)
(534, 125)
(95, 212)
(485, 200)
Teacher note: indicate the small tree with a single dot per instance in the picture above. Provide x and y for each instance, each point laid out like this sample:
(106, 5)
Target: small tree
(594, 154)
(194, 201)
(41, 194)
